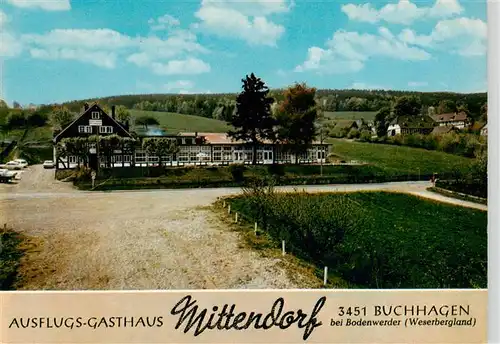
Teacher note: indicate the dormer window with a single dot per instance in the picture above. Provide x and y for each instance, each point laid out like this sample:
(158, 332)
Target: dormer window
(96, 115)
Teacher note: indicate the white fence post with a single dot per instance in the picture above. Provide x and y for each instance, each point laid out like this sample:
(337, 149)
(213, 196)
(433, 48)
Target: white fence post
(229, 209)
(255, 228)
(224, 204)
(236, 218)
(283, 247)
(325, 278)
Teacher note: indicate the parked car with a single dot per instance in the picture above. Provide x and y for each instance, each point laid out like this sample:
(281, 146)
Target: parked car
(22, 162)
(48, 164)
(6, 176)
(12, 165)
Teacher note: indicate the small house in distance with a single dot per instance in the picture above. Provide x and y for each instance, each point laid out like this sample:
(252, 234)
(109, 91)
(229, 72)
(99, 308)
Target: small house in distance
(441, 130)
(459, 120)
(484, 130)
(404, 125)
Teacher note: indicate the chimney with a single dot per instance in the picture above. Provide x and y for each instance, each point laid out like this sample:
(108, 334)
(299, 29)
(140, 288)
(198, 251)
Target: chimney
(113, 112)
(86, 106)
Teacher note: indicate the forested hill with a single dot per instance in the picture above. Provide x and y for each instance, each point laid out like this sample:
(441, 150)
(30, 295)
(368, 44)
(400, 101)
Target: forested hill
(220, 106)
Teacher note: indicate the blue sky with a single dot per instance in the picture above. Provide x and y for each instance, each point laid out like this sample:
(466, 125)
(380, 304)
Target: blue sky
(59, 50)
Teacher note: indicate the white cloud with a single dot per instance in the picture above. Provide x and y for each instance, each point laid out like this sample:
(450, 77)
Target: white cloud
(417, 83)
(165, 22)
(178, 85)
(245, 20)
(364, 86)
(462, 36)
(3, 19)
(105, 47)
(403, 12)
(95, 39)
(347, 52)
(48, 5)
(10, 46)
(99, 58)
(190, 66)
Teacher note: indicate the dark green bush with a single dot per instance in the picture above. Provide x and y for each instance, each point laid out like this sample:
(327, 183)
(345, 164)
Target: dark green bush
(276, 169)
(237, 172)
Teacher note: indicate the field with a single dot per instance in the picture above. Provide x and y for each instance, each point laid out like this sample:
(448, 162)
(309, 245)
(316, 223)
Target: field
(174, 122)
(376, 239)
(399, 159)
(353, 115)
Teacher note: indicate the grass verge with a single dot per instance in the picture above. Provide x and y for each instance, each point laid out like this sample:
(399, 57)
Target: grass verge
(458, 195)
(10, 258)
(298, 270)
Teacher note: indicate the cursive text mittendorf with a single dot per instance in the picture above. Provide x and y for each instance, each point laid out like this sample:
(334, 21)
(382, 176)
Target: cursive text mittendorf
(226, 319)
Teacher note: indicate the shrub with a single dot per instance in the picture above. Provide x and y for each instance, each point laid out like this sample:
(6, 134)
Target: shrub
(353, 134)
(37, 119)
(83, 174)
(237, 172)
(16, 120)
(276, 170)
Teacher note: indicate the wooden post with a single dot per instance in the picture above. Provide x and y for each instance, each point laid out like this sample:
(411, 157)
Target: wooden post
(255, 228)
(236, 218)
(283, 247)
(224, 204)
(325, 277)
(229, 209)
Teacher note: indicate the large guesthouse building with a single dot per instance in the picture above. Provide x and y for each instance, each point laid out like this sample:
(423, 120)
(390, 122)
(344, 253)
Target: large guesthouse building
(193, 148)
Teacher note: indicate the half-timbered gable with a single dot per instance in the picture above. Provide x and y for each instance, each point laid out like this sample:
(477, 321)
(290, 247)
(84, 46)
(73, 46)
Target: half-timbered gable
(93, 121)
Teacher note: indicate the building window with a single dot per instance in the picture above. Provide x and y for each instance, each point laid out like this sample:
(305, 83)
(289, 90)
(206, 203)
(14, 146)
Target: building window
(96, 115)
(127, 158)
(72, 159)
(217, 155)
(85, 129)
(106, 129)
(140, 157)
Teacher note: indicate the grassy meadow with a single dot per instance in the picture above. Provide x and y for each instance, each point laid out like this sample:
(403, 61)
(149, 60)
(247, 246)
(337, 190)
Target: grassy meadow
(400, 159)
(175, 122)
(375, 239)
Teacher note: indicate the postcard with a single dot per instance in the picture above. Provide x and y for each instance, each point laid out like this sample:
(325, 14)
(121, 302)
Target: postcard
(229, 171)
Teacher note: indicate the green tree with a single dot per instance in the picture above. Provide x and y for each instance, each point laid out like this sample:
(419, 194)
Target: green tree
(160, 147)
(252, 120)
(407, 106)
(3, 104)
(446, 106)
(16, 119)
(122, 114)
(146, 121)
(382, 119)
(61, 117)
(296, 118)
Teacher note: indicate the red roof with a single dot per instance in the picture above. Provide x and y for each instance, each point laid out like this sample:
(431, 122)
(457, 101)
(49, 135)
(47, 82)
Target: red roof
(222, 138)
(448, 117)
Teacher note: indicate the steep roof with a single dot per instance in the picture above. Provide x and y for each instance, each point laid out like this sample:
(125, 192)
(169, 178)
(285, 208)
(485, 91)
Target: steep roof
(414, 122)
(83, 113)
(448, 117)
(444, 129)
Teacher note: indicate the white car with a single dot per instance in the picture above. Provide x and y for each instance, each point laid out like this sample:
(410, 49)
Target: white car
(22, 162)
(48, 164)
(12, 165)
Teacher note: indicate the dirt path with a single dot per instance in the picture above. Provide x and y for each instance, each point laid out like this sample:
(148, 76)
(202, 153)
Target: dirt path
(162, 239)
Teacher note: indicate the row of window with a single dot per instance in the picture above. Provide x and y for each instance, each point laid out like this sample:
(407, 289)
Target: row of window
(104, 129)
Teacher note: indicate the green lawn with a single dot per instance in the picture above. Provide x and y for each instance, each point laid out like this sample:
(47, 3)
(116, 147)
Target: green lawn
(175, 122)
(399, 159)
(366, 115)
(377, 239)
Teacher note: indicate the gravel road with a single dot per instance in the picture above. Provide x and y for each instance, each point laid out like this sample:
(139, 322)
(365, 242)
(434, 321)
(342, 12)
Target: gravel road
(158, 239)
